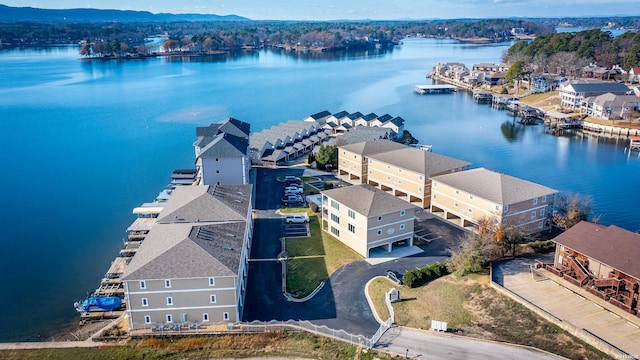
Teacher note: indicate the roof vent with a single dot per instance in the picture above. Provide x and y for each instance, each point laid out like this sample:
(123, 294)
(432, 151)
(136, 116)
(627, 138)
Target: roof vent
(231, 235)
(228, 248)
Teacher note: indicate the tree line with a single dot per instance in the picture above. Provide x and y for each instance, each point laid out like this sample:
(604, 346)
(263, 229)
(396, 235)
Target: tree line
(551, 52)
(233, 35)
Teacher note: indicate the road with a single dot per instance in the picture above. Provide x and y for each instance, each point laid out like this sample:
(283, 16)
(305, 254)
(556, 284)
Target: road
(416, 344)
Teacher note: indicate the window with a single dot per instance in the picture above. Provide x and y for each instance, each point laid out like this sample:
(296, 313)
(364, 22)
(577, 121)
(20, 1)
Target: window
(535, 201)
(402, 212)
(352, 228)
(540, 225)
(420, 188)
(143, 284)
(225, 316)
(169, 318)
(147, 319)
(388, 167)
(455, 204)
(145, 302)
(335, 205)
(379, 232)
(399, 181)
(335, 218)
(205, 317)
(167, 283)
(457, 192)
(435, 196)
(217, 159)
(169, 300)
(401, 226)
(470, 210)
(541, 212)
(352, 214)
(212, 299)
(533, 214)
(388, 177)
(379, 218)
(497, 207)
(544, 199)
(335, 231)
(399, 170)
(470, 197)
(212, 281)
(505, 208)
(504, 221)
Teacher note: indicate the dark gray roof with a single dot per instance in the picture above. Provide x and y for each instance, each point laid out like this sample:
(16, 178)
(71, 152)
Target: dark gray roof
(341, 114)
(367, 200)
(419, 161)
(363, 133)
(367, 148)
(385, 118)
(320, 115)
(599, 87)
(398, 121)
(355, 115)
(225, 145)
(370, 117)
(229, 125)
(494, 186)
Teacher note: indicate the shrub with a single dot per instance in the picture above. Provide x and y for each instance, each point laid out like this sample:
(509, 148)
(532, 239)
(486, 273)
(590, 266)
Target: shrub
(327, 185)
(410, 278)
(419, 277)
(504, 90)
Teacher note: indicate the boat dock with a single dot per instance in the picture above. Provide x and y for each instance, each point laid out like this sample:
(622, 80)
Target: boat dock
(111, 284)
(434, 89)
(457, 83)
(482, 96)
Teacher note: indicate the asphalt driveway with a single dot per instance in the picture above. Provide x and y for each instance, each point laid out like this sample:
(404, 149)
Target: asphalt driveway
(341, 303)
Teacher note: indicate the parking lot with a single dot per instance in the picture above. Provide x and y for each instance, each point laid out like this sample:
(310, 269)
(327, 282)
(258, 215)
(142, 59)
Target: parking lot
(296, 230)
(570, 304)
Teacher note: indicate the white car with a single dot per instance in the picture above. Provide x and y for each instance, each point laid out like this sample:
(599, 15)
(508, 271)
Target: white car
(293, 190)
(296, 219)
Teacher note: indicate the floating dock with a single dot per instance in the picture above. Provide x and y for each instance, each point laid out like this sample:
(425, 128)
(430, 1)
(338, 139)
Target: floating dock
(434, 89)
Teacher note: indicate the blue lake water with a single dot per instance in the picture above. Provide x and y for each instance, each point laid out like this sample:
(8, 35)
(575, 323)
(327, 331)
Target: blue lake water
(83, 142)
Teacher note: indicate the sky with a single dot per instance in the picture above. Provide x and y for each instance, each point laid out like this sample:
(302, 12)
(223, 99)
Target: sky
(357, 9)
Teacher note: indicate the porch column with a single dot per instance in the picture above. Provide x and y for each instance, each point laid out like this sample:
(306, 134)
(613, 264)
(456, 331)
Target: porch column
(390, 247)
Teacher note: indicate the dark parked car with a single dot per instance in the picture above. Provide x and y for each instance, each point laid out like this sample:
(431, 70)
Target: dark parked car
(395, 276)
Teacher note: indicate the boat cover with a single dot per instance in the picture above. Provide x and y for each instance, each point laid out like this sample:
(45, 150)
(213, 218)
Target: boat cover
(107, 303)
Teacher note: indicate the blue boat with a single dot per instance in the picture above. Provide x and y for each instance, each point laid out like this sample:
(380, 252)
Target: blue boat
(98, 303)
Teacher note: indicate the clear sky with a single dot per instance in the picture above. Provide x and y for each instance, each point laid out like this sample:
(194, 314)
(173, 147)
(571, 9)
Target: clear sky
(357, 9)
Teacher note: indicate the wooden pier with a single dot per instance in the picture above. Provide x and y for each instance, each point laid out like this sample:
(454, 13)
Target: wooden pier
(457, 83)
(482, 96)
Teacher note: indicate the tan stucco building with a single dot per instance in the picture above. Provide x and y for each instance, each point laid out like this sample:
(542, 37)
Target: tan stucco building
(400, 170)
(192, 267)
(465, 197)
(365, 218)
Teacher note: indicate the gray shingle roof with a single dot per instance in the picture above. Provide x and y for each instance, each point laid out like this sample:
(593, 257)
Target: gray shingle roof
(230, 125)
(213, 203)
(494, 186)
(367, 148)
(363, 133)
(225, 145)
(611, 245)
(367, 200)
(599, 87)
(419, 161)
(199, 233)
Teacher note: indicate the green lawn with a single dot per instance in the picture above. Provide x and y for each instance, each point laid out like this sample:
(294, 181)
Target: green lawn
(313, 259)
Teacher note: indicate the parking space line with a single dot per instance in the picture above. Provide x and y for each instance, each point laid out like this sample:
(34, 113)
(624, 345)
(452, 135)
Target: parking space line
(614, 322)
(629, 333)
(562, 296)
(595, 314)
(550, 288)
(579, 304)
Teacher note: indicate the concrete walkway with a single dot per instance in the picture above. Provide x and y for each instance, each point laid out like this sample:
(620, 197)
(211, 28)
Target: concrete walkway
(594, 320)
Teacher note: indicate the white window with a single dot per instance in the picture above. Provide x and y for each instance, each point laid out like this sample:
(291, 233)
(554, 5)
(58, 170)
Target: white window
(533, 214)
(379, 218)
(167, 283)
(205, 317)
(541, 212)
(399, 170)
(399, 181)
(169, 318)
(352, 214)
(143, 284)
(379, 232)
(145, 302)
(401, 226)
(169, 300)
(388, 177)
(504, 221)
(402, 212)
(212, 281)
(535, 201)
(505, 209)
(212, 299)
(225, 316)
(420, 188)
(498, 207)
(455, 204)
(147, 319)
(544, 199)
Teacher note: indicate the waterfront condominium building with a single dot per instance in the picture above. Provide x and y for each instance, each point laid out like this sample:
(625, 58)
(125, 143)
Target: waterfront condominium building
(191, 269)
(574, 92)
(222, 153)
(398, 169)
(469, 196)
(365, 218)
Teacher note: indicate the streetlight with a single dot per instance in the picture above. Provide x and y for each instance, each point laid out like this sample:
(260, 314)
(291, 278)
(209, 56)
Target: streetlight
(406, 354)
